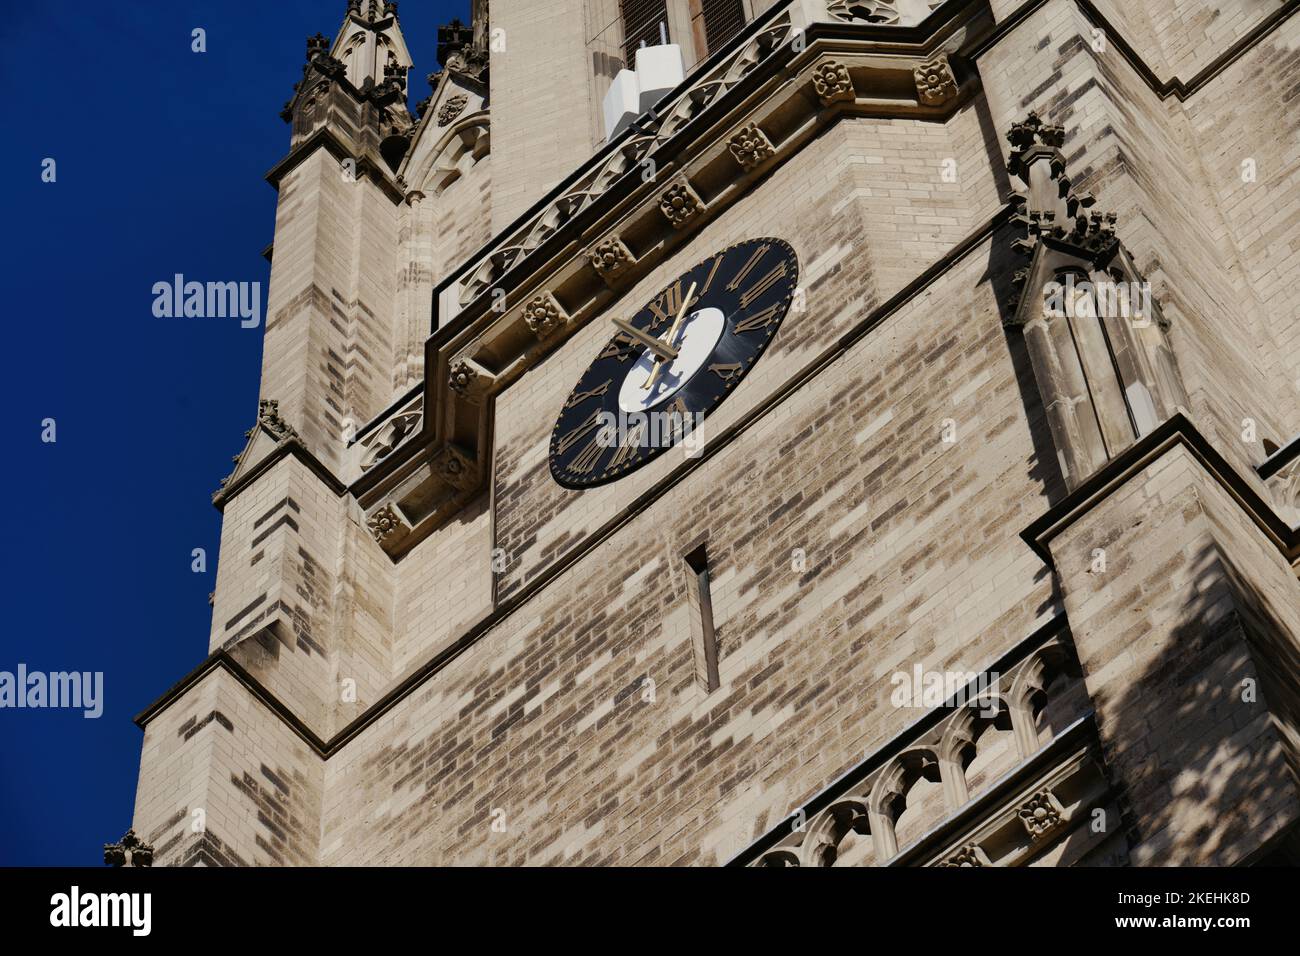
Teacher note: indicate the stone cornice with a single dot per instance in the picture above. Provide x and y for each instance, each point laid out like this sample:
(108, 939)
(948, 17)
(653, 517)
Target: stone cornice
(291, 446)
(369, 163)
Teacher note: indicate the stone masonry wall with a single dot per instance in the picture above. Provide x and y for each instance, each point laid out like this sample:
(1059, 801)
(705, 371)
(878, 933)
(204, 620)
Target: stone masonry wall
(258, 785)
(547, 717)
(329, 327)
(1163, 631)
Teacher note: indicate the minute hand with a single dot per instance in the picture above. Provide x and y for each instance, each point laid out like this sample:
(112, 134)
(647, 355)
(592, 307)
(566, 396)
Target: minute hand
(672, 334)
(658, 346)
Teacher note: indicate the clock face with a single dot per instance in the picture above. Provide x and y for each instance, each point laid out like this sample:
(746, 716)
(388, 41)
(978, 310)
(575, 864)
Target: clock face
(672, 363)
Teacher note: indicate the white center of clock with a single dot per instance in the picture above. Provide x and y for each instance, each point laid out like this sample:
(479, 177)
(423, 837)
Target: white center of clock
(695, 342)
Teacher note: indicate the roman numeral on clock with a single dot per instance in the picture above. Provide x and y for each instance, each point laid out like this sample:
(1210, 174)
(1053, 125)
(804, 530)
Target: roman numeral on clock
(708, 282)
(629, 450)
(666, 307)
(762, 285)
(584, 463)
(747, 268)
(760, 320)
(569, 440)
(577, 398)
(620, 347)
(728, 371)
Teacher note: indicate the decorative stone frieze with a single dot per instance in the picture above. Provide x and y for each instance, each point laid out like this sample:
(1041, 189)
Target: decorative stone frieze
(867, 801)
(751, 147)
(934, 81)
(893, 13)
(544, 316)
(680, 203)
(832, 83)
(391, 434)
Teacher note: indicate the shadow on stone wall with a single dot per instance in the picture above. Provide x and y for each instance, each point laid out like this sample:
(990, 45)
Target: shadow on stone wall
(1200, 772)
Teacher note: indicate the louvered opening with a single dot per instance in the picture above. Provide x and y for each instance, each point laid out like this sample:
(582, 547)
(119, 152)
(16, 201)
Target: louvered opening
(723, 19)
(641, 19)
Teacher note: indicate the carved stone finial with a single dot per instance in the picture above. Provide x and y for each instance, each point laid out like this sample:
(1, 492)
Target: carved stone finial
(679, 203)
(1030, 134)
(832, 83)
(1050, 207)
(129, 851)
(319, 45)
(935, 84)
(395, 74)
(751, 147)
(268, 417)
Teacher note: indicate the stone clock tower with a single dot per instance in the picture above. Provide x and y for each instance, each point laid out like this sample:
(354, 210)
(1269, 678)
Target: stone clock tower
(769, 433)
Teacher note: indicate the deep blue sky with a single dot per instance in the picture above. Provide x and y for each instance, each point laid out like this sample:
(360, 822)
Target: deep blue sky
(160, 154)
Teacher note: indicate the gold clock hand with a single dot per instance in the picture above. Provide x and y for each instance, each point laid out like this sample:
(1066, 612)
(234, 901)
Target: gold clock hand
(660, 348)
(672, 335)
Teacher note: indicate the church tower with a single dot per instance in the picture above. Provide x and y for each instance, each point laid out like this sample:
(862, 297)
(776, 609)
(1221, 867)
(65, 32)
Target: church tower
(764, 432)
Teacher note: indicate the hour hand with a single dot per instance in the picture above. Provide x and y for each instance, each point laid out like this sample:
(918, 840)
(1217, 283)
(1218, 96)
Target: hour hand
(660, 348)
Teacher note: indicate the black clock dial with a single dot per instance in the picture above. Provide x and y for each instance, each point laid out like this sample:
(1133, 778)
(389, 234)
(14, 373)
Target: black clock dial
(673, 362)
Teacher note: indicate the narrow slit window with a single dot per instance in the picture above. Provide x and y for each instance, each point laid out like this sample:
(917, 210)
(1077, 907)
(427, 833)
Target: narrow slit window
(705, 639)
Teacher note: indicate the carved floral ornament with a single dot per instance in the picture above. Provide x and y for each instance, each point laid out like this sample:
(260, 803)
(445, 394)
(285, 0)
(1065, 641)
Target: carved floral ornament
(832, 83)
(455, 467)
(1041, 814)
(969, 855)
(610, 258)
(462, 377)
(385, 523)
(751, 147)
(934, 82)
(679, 203)
(544, 315)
